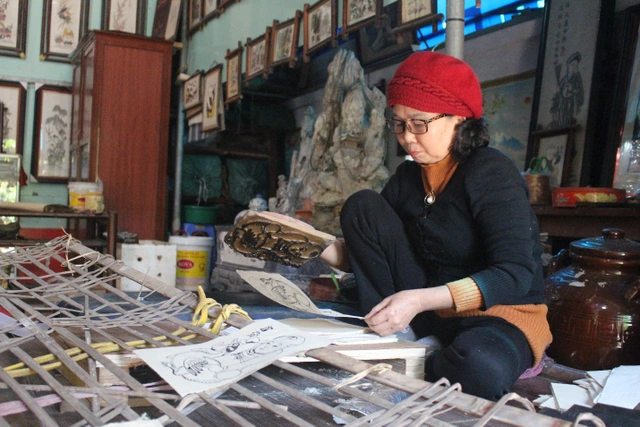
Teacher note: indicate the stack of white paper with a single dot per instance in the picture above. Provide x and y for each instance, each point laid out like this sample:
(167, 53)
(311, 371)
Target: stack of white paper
(616, 387)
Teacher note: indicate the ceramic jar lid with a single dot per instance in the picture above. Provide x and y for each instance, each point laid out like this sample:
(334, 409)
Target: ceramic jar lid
(612, 245)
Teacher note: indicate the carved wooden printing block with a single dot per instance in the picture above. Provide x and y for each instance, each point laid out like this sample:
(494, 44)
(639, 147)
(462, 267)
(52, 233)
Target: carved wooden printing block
(270, 239)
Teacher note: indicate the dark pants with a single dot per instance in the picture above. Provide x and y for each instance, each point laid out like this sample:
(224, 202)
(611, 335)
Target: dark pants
(486, 355)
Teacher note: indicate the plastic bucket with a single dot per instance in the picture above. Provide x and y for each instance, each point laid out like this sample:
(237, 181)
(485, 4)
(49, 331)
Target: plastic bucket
(193, 261)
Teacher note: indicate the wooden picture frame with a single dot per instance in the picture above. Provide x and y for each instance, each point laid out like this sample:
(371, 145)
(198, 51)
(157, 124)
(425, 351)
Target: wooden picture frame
(14, 97)
(320, 26)
(193, 91)
(52, 134)
(413, 14)
(13, 34)
(224, 4)
(284, 41)
(570, 59)
(128, 16)
(359, 13)
(64, 23)
(212, 101)
(557, 146)
(209, 10)
(257, 56)
(195, 16)
(233, 88)
(166, 19)
(377, 42)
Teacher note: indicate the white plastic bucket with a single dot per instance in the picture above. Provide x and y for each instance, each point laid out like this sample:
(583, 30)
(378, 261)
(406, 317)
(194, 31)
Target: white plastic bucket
(193, 261)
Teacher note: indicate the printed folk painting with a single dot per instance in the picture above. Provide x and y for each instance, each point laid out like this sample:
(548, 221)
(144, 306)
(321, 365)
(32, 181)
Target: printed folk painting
(53, 137)
(507, 110)
(320, 25)
(13, 27)
(64, 25)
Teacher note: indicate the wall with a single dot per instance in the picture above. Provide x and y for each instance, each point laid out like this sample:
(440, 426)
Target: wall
(33, 72)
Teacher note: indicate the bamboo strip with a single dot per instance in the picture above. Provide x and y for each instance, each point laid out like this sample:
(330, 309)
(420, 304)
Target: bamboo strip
(270, 406)
(306, 399)
(126, 378)
(225, 410)
(55, 349)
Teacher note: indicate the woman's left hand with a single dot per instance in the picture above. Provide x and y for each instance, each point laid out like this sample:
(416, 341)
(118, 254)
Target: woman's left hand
(394, 313)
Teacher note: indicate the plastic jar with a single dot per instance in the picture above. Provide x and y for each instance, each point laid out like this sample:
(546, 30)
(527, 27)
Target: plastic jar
(94, 201)
(78, 192)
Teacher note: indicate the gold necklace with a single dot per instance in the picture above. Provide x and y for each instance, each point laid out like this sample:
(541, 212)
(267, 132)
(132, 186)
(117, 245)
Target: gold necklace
(430, 198)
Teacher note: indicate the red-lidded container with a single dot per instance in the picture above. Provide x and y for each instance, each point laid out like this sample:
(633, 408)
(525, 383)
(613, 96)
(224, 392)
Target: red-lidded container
(571, 196)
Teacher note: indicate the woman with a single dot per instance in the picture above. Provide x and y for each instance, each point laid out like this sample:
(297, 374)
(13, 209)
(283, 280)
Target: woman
(451, 245)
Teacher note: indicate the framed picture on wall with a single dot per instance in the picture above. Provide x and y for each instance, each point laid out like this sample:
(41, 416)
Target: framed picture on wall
(568, 64)
(553, 150)
(14, 97)
(284, 41)
(64, 23)
(257, 56)
(320, 26)
(234, 74)
(224, 4)
(52, 134)
(13, 31)
(377, 42)
(193, 91)
(211, 93)
(209, 10)
(128, 16)
(507, 110)
(414, 14)
(195, 15)
(166, 18)
(358, 13)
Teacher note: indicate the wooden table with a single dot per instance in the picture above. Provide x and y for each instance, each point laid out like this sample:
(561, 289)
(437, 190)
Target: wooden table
(581, 222)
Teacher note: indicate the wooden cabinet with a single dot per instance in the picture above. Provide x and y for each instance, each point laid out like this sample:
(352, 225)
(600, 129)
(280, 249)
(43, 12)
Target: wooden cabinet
(120, 125)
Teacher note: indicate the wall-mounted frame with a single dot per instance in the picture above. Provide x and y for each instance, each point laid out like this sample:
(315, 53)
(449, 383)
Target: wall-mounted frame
(257, 56)
(209, 10)
(64, 23)
(128, 16)
(377, 42)
(507, 110)
(557, 146)
(52, 134)
(192, 91)
(14, 97)
(166, 19)
(10, 168)
(234, 74)
(571, 58)
(320, 26)
(359, 13)
(13, 33)
(224, 4)
(284, 41)
(195, 15)
(212, 99)
(413, 14)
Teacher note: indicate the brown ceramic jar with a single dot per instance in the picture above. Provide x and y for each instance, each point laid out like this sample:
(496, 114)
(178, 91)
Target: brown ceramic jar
(594, 303)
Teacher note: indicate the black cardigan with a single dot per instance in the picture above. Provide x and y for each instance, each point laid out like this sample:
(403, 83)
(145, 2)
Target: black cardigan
(481, 225)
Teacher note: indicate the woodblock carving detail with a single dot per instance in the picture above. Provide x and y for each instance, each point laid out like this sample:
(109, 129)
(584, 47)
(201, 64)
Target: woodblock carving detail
(266, 238)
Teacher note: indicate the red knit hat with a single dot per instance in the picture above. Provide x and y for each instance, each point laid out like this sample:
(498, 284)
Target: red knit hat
(436, 83)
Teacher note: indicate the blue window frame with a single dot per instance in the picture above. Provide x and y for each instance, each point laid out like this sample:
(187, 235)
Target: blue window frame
(489, 14)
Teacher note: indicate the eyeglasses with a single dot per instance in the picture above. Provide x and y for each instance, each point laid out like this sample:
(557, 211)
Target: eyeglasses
(415, 126)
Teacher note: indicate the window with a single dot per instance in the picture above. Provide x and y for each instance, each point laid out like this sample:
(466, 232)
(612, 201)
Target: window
(490, 13)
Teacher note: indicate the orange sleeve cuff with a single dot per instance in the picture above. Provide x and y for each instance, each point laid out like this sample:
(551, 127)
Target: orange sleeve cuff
(466, 294)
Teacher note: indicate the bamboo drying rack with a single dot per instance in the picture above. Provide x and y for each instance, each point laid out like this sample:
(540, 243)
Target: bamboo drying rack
(70, 317)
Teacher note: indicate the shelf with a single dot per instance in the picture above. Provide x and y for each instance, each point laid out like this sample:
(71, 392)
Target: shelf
(110, 218)
(192, 148)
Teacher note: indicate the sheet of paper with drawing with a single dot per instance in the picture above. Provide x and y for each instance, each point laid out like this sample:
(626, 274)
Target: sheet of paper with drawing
(227, 359)
(276, 287)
